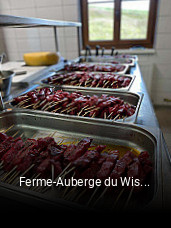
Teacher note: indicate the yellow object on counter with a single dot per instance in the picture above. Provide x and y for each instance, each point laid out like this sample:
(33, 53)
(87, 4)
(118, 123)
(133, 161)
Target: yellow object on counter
(41, 58)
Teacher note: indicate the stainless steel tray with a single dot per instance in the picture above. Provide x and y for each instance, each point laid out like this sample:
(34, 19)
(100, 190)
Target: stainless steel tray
(107, 59)
(97, 63)
(118, 56)
(43, 124)
(129, 97)
(42, 82)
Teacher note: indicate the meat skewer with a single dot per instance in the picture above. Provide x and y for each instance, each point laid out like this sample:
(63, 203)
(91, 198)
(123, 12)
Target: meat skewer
(37, 157)
(95, 67)
(9, 128)
(105, 107)
(135, 170)
(92, 79)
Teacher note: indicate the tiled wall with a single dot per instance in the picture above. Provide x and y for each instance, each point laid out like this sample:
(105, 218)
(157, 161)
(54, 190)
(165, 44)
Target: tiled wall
(18, 41)
(161, 80)
(156, 68)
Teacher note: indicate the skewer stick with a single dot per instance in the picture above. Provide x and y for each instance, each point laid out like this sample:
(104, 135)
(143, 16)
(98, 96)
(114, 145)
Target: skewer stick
(1, 163)
(5, 131)
(86, 109)
(56, 109)
(105, 84)
(36, 104)
(109, 115)
(34, 176)
(88, 81)
(68, 172)
(100, 195)
(56, 83)
(124, 118)
(129, 197)
(92, 196)
(116, 117)
(72, 77)
(72, 190)
(33, 188)
(72, 82)
(15, 133)
(16, 182)
(70, 193)
(15, 174)
(28, 106)
(72, 109)
(97, 85)
(118, 197)
(90, 111)
(8, 173)
(77, 84)
(82, 110)
(65, 192)
(53, 174)
(93, 115)
(8, 102)
(58, 78)
(114, 83)
(48, 103)
(41, 103)
(70, 104)
(50, 106)
(23, 102)
(67, 109)
(63, 171)
(80, 195)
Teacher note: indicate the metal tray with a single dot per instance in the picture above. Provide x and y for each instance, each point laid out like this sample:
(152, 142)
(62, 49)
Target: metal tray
(41, 124)
(118, 56)
(129, 97)
(42, 82)
(101, 63)
(106, 59)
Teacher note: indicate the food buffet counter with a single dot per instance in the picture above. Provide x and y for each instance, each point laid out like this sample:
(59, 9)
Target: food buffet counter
(146, 118)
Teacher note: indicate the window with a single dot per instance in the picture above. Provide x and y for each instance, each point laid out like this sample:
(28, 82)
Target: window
(119, 23)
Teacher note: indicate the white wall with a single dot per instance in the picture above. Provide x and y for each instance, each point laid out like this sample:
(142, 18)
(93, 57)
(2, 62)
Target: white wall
(156, 68)
(18, 41)
(161, 81)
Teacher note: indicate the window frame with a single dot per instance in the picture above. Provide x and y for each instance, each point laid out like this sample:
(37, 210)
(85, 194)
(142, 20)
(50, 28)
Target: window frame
(117, 42)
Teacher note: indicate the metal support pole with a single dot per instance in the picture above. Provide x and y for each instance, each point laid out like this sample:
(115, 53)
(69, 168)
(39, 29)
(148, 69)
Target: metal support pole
(1, 103)
(79, 40)
(56, 39)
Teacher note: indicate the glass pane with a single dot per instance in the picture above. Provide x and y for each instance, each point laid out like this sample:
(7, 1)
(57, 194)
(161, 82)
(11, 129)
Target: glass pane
(101, 20)
(134, 19)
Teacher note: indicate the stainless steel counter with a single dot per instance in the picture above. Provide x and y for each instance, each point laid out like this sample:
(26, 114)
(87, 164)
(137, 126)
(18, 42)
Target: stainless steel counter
(146, 118)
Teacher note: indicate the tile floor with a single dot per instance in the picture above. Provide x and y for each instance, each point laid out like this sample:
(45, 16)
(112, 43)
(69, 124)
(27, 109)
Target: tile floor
(163, 114)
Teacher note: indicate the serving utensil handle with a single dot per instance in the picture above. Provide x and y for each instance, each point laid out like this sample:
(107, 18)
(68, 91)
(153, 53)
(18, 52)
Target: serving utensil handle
(1, 103)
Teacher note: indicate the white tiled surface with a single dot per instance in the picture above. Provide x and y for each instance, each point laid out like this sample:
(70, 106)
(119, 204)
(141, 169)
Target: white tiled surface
(15, 42)
(163, 115)
(159, 82)
(165, 8)
(45, 3)
(20, 66)
(156, 68)
(56, 13)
